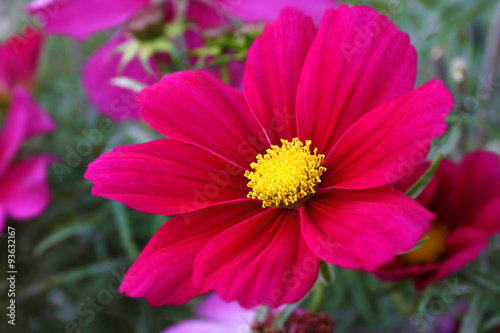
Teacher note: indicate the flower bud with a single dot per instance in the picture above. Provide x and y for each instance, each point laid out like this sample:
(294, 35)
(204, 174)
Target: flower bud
(148, 23)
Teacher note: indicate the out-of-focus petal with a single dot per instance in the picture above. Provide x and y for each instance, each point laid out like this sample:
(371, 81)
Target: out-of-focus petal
(462, 246)
(265, 10)
(24, 190)
(205, 14)
(24, 119)
(101, 68)
(214, 308)
(82, 18)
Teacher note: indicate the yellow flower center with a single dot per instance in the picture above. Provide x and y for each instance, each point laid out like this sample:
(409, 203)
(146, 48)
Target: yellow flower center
(432, 249)
(285, 175)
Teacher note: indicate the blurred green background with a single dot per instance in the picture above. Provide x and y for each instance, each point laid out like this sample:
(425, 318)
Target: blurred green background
(70, 260)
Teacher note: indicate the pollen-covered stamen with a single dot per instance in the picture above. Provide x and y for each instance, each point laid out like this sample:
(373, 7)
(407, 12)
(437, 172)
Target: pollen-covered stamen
(285, 175)
(432, 249)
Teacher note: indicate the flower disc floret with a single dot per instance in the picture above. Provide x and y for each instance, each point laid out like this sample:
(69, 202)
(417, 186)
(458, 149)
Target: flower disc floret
(285, 175)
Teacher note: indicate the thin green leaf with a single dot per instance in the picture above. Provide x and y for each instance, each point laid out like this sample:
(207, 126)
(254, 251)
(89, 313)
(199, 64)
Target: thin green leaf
(285, 314)
(318, 296)
(71, 277)
(422, 305)
(123, 225)
(491, 323)
(419, 244)
(472, 319)
(487, 281)
(362, 301)
(59, 236)
(426, 178)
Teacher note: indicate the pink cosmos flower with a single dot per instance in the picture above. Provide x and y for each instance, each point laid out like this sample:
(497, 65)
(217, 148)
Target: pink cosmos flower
(259, 204)
(24, 192)
(465, 197)
(82, 18)
(19, 56)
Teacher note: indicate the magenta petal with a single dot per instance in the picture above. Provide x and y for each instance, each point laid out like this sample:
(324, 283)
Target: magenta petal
(24, 119)
(24, 190)
(265, 10)
(385, 143)
(166, 177)
(359, 60)
(19, 57)
(272, 74)
(488, 219)
(263, 260)
(411, 176)
(462, 246)
(162, 273)
(81, 18)
(362, 229)
(205, 14)
(205, 326)
(39, 121)
(195, 107)
(3, 218)
(6, 77)
(13, 131)
(480, 175)
(236, 73)
(397, 270)
(115, 102)
(464, 189)
(215, 308)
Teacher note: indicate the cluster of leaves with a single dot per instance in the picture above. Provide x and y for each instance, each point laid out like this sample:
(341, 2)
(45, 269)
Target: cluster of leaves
(70, 259)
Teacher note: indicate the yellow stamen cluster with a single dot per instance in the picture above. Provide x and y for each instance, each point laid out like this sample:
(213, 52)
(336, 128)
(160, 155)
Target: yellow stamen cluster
(432, 249)
(285, 175)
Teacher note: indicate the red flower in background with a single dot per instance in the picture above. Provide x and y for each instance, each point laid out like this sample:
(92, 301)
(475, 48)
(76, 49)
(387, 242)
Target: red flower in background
(261, 242)
(465, 197)
(24, 192)
(19, 57)
(82, 18)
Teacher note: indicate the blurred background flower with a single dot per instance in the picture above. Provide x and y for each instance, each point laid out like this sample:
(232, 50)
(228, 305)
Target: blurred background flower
(465, 197)
(24, 191)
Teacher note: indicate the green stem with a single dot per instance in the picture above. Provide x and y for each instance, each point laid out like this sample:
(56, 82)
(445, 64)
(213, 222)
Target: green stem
(224, 69)
(318, 296)
(326, 273)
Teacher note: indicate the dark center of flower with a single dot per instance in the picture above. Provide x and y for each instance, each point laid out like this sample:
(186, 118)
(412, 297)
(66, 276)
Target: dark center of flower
(285, 175)
(433, 247)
